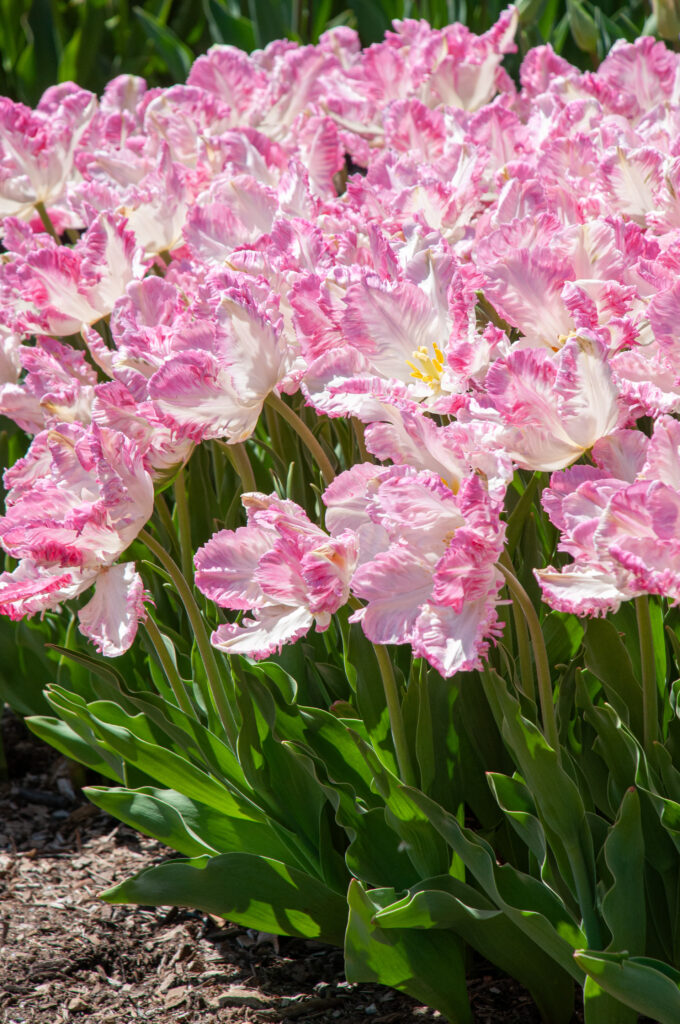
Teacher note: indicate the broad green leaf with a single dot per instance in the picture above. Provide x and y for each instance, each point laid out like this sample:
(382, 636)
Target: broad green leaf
(161, 722)
(257, 892)
(648, 986)
(514, 799)
(361, 667)
(601, 1008)
(61, 736)
(229, 28)
(520, 512)
(563, 635)
(428, 965)
(375, 854)
(173, 51)
(427, 852)
(146, 811)
(558, 801)
(446, 902)
(272, 19)
(82, 49)
(72, 709)
(608, 660)
(436, 739)
(528, 903)
(623, 906)
(583, 27)
(170, 768)
(190, 827)
(616, 746)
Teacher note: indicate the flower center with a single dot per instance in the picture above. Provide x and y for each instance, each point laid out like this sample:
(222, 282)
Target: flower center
(427, 367)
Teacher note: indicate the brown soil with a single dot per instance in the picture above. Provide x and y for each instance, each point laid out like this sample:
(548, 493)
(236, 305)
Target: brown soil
(68, 958)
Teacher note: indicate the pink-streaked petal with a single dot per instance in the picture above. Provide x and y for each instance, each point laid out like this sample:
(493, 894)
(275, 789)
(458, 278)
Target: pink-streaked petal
(111, 616)
(583, 590)
(226, 566)
(195, 392)
(32, 588)
(259, 638)
(395, 585)
(455, 641)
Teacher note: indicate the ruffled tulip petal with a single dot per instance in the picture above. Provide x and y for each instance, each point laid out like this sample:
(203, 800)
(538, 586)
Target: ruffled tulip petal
(260, 637)
(111, 616)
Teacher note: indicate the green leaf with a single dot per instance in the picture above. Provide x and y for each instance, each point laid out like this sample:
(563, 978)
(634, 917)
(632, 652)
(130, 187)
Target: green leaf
(189, 827)
(83, 47)
(229, 28)
(271, 19)
(608, 660)
(425, 849)
(436, 739)
(601, 1008)
(623, 906)
(61, 736)
(72, 709)
(446, 902)
(514, 799)
(528, 903)
(375, 854)
(145, 810)
(558, 800)
(583, 27)
(175, 54)
(427, 965)
(563, 635)
(165, 765)
(520, 512)
(257, 892)
(361, 667)
(648, 986)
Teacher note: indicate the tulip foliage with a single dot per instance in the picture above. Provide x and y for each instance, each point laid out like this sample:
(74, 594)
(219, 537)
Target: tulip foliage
(343, 496)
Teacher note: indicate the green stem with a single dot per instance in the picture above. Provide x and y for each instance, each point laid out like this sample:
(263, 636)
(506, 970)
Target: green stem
(545, 693)
(358, 428)
(305, 435)
(46, 222)
(238, 457)
(168, 666)
(166, 518)
(526, 670)
(183, 525)
(205, 650)
(396, 720)
(650, 695)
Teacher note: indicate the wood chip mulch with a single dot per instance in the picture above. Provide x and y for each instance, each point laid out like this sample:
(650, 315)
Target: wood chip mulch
(68, 958)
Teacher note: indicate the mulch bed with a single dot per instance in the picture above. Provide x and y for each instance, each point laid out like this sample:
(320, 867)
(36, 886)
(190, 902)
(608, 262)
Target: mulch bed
(68, 958)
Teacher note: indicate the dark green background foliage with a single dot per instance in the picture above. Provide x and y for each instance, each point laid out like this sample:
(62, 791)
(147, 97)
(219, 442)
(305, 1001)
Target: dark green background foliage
(91, 41)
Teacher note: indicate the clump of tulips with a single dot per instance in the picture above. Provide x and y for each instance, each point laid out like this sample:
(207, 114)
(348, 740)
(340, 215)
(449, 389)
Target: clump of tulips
(376, 478)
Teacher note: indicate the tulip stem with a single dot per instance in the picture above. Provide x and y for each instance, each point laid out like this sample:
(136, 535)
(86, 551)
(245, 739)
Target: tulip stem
(183, 525)
(526, 670)
(237, 455)
(203, 643)
(396, 719)
(650, 696)
(545, 693)
(171, 673)
(305, 435)
(46, 222)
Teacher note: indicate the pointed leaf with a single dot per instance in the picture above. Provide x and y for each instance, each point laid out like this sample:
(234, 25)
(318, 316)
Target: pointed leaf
(257, 892)
(648, 986)
(428, 965)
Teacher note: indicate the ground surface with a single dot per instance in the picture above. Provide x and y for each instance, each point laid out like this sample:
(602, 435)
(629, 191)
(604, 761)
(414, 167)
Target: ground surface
(68, 958)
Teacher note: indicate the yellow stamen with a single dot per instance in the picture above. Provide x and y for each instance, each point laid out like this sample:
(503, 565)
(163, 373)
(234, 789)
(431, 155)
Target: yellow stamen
(427, 367)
